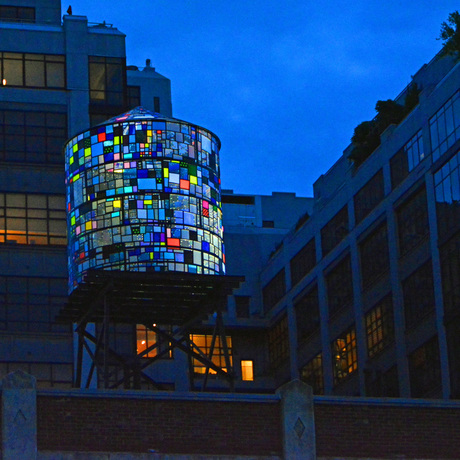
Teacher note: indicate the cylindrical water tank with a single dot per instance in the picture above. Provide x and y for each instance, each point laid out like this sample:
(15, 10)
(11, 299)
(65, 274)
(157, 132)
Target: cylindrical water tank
(143, 194)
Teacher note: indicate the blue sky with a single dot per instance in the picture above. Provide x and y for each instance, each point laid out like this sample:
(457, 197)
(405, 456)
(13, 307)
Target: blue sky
(283, 84)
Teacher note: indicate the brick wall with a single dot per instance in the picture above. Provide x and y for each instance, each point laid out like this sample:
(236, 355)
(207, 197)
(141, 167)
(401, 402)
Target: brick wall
(387, 431)
(168, 426)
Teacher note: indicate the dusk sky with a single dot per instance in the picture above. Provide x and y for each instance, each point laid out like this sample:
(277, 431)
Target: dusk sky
(283, 84)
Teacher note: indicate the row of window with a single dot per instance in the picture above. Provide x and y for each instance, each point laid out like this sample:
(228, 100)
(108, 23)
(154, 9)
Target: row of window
(146, 339)
(413, 228)
(32, 70)
(424, 369)
(30, 304)
(17, 13)
(32, 219)
(34, 137)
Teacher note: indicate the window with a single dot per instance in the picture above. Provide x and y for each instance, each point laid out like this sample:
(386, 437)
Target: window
(383, 384)
(412, 218)
(369, 197)
(406, 159)
(379, 327)
(268, 224)
(344, 355)
(334, 231)
(145, 338)
(203, 342)
(35, 137)
(32, 219)
(156, 104)
(274, 290)
(134, 96)
(30, 304)
(54, 375)
(312, 374)
(278, 342)
(374, 255)
(247, 370)
(242, 303)
(425, 369)
(447, 190)
(339, 285)
(450, 271)
(17, 13)
(445, 126)
(418, 294)
(307, 314)
(107, 77)
(303, 262)
(32, 70)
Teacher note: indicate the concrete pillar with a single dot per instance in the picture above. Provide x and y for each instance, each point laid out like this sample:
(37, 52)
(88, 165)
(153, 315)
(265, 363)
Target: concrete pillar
(297, 421)
(19, 416)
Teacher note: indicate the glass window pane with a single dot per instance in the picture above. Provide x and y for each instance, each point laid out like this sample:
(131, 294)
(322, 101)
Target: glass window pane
(55, 75)
(12, 72)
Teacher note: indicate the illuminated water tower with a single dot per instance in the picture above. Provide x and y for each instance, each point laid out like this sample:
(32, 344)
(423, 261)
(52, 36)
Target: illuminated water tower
(143, 195)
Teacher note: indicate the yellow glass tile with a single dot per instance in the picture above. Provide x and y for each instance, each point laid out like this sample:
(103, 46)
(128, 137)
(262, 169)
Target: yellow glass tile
(71, 160)
(116, 140)
(147, 201)
(88, 152)
(88, 225)
(117, 204)
(72, 220)
(193, 180)
(75, 148)
(166, 172)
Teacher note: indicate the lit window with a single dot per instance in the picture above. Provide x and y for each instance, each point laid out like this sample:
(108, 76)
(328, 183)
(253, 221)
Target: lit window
(312, 374)
(344, 355)
(203, 342)
(247, 370)
(379, 326)
(145, 338)
(32, 219)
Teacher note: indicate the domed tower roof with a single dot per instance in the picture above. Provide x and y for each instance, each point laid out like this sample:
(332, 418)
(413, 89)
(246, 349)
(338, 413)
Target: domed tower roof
(142, 114)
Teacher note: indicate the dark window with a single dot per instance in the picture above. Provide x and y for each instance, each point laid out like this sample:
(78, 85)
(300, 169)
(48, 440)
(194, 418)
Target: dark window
(34, 137)
(344, 355)
(334, 231)
(242, 303)
(447, 190)
(32, 70)
(379, 326)
(339, 284)
(107, 81)
(399, 166)
(134, 96)
(383, 384)
(278, 342)
(374, 255)
(369, 197)
(48, 375)
(418, 294)
(17, 13)
(307, 314)
(238, 199)
(268, 224)
(450, 271)
(156, 104)
(274, 290)
(425, 369)
(412, 218)
(445, 126)
(31, 304)
(303, 262)
(312, 374)
(32, 219)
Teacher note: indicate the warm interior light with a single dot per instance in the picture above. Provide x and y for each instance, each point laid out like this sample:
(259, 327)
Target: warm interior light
(247, 370)
(4, 82)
